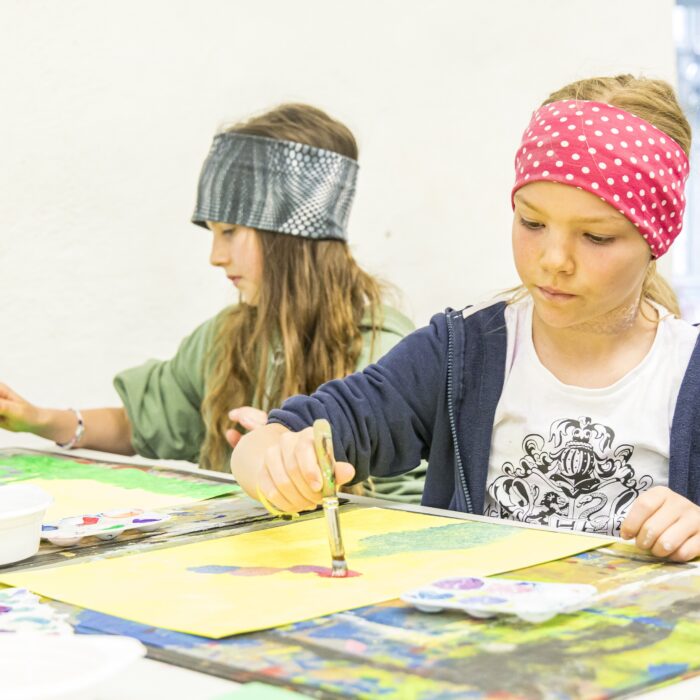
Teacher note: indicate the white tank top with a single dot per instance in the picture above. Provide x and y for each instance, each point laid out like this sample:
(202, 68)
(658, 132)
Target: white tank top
(573, 457)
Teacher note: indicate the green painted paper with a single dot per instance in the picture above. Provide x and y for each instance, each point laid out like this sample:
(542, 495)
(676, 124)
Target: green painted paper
(16, 468)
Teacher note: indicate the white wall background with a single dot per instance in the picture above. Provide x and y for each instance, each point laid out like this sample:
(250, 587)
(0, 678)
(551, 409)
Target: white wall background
(108, 109)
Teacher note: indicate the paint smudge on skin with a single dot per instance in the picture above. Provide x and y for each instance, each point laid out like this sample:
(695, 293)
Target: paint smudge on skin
(434, 539)
(322, 571)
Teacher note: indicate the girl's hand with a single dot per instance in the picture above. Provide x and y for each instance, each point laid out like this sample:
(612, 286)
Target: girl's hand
(247, 416)
(281, 466)
(17, 414)
(290, 478)
(665, 523)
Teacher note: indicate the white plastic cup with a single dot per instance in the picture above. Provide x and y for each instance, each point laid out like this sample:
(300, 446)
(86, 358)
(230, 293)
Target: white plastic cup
(22, 509)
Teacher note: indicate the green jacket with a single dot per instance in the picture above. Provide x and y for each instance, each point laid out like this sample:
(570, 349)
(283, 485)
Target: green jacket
(163, 399)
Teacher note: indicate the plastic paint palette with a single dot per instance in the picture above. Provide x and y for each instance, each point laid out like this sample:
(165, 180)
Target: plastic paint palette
(105, 526)
(531, 601)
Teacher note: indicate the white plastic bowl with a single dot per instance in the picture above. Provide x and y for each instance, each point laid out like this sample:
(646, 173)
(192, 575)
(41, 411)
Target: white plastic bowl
(22, 509)
(65, 667)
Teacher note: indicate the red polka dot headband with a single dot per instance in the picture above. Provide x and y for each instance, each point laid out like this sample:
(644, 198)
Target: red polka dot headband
(625, 160)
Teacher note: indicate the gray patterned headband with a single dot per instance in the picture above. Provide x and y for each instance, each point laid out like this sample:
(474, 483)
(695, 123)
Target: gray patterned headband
(276, 185)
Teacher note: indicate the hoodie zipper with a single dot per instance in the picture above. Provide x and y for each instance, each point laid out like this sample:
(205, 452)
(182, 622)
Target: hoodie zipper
(451, 413)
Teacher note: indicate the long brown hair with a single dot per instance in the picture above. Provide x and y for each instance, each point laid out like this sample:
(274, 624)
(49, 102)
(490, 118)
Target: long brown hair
(656, 102)
(305, 328)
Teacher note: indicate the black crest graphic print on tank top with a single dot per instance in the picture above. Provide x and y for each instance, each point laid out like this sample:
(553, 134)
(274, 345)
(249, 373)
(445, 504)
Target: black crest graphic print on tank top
(578, 479)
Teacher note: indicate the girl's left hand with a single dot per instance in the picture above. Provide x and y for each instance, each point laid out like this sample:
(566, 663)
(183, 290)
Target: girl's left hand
(665, 523)
(247, 416)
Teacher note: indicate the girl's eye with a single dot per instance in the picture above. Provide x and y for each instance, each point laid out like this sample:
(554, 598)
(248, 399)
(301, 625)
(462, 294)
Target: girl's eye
(599, 240)
(532, 225)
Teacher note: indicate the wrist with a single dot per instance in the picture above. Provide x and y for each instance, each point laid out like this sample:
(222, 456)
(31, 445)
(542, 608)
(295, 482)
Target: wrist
(77, 435)
(58, 425)
(49, 423)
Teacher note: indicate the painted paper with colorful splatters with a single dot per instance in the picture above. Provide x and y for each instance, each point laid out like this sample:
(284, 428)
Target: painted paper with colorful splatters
(642, 633)
(281, 574)
(83, 486)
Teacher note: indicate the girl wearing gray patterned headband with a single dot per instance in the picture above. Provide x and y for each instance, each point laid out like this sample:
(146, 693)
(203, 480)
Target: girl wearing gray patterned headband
(276, 193)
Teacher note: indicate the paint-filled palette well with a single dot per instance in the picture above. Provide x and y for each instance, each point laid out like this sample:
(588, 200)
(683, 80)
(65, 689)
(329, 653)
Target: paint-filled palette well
(105, 526)
(531, 601)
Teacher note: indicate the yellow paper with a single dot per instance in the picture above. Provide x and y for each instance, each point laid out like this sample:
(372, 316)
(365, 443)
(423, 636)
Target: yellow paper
(81, 496)
(81, 487)
(271, 577)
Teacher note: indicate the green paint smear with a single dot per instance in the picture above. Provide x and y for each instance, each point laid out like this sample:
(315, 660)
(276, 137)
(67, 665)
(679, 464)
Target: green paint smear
(23, 467)
(435, 539)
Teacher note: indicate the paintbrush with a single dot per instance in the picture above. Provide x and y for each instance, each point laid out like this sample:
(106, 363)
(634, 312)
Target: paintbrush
(323, 442)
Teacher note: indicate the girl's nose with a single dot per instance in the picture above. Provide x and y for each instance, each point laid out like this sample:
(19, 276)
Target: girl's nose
(219, 255)
(556, 255)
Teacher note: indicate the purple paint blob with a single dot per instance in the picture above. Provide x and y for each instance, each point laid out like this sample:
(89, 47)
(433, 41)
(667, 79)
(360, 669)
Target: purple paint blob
(4, 609)
(459, 584)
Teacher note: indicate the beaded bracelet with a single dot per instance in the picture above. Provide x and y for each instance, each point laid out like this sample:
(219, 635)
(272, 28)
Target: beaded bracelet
(79, 430)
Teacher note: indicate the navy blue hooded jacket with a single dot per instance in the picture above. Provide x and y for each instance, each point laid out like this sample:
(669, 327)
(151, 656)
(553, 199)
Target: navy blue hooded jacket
(434, 396)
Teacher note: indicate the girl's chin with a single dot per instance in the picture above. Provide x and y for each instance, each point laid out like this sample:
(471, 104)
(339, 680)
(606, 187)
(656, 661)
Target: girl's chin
(557, 318)
(247, 299)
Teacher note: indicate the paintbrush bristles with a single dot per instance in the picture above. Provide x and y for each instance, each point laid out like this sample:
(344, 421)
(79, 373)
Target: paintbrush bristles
(339, 568)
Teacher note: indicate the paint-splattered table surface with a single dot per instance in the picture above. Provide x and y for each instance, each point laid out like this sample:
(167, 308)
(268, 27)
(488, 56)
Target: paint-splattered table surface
(642, 633)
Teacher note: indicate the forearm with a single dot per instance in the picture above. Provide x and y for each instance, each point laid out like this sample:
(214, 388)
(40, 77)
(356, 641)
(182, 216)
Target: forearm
(106, 429)
(249, 455)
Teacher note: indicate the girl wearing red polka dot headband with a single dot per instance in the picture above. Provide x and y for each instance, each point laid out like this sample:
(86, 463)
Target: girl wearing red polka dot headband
(575, 402)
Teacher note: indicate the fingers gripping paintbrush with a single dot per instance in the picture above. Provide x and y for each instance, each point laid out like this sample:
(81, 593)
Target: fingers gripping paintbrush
(323, 442)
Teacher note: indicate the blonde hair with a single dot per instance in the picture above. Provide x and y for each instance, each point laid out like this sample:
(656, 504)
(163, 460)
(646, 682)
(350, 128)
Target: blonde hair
(656, 102)
(305, 329)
